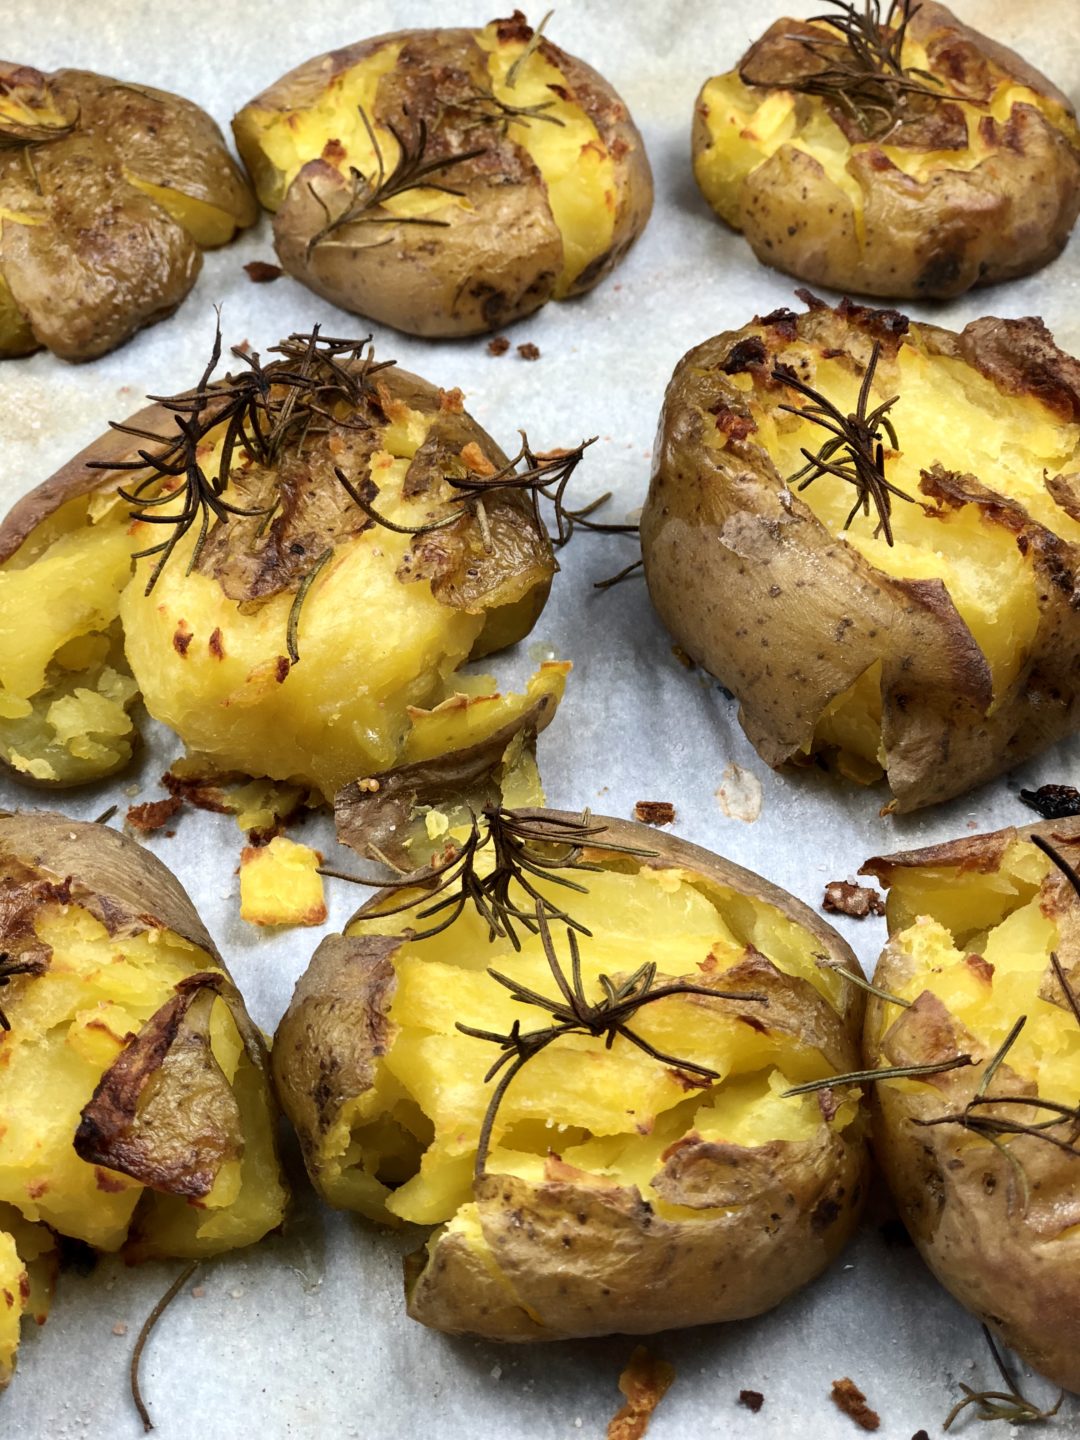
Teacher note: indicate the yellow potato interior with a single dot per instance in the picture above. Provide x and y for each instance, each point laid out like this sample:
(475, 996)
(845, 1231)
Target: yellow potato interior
(577, 168)
(280, 884)
(222, 679)
(14, 1287)
(65, 690)
(407, 1148)
(947, 414)
(208, 225)
(941, 916)
(748, 124)
(28, 1264)
(68, 1026)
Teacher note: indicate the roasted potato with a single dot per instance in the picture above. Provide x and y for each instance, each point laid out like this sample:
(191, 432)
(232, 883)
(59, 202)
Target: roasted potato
(284, 630)
(982, 1159)
(447, 182)
(134, 1089)
(593, 1191)
(109, 192)
(908, 156)
(912, 611)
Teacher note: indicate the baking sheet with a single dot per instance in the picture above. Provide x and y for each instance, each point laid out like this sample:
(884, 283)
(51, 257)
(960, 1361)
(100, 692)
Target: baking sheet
(306, 1333)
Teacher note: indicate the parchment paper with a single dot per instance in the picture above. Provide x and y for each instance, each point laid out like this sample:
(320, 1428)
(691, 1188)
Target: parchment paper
(306, 1333)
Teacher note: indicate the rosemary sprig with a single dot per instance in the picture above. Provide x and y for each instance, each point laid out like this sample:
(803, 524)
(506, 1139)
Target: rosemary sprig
(862, 68)
(261, 411)
(856, 442)
(144, 1335)
(530, 46)
(1010, 1404)
(546, 476)
(573, 1013)
(861, 982)
(973, 1116)
(525, 848)
(292, 644)
(891, 1072)
(488, 108)
(412, 171)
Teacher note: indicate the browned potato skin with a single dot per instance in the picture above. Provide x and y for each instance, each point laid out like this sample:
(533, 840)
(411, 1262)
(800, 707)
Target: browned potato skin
(115, 878)
(796, 1204)
(1015, 1269)
(757, 590)
(930, 239)
(109, 259)
(489, 266)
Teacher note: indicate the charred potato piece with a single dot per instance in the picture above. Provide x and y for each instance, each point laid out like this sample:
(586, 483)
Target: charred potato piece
(941, 659)
(108, 193)
(300, 638)
(614, 1179)
(134, 1087)
(989, 1189)
(959, 167)
(537, 179)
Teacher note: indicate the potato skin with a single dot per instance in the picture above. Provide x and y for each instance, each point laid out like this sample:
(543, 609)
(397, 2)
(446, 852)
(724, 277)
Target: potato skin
(932, 238)
(791, 1205)
(1015, 1268)
(757, 590)
(103, 257)
(492, 262)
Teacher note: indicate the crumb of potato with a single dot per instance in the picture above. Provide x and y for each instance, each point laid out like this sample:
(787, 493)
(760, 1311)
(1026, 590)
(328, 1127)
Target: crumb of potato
(655, 812)
(120, 1328)
(850, 1399)
(529, 351)
(644, 1382)
(262, 272)
(498, 346)
(154, 814)
(844, 897)
(752, 1399)
(280, 884)
(198, 1291)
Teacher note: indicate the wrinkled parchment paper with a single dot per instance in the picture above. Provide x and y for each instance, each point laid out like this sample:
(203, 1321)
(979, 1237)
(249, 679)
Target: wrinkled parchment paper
(306, 1333)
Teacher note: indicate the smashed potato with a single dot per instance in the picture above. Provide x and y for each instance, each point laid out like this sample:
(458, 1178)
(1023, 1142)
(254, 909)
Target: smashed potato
(594, 1150)
(134, 1089)
(982, 1158)
(307, 587)
(904, 156)
(512, 169)
(109, 192)
(913, 615)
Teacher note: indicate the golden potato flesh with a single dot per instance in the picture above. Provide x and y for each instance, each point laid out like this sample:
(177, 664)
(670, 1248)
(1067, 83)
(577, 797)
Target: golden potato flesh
(606, 1148)
(982, 1158)
(121, 1029)
(540, 181)
(299, 638)
(28, 1266)
(108, 193)
(941, 658)
(971, 177)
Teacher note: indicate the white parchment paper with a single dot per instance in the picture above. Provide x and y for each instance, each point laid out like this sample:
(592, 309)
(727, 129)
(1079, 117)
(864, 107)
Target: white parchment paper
(306, 1334)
